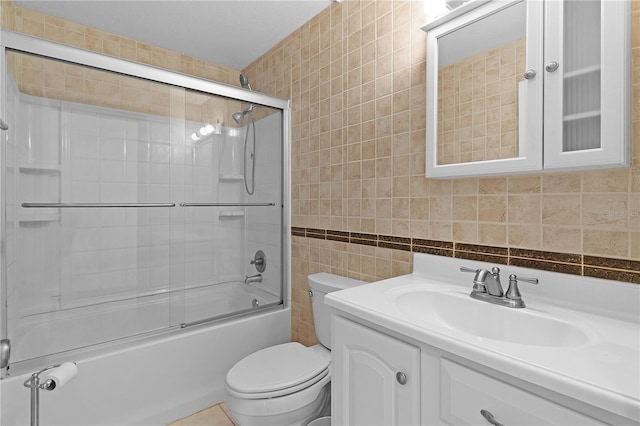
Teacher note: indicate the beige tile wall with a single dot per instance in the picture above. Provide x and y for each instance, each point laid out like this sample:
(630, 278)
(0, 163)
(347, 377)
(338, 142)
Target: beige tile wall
(56, 80)
(31, 22)
(356, 77)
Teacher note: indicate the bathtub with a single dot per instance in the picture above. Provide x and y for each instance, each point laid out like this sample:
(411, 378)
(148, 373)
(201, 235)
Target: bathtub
(155, 380)
(58, 331)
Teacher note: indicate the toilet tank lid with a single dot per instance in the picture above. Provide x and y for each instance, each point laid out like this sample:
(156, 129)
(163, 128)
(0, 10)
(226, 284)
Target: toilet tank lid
(325, 282)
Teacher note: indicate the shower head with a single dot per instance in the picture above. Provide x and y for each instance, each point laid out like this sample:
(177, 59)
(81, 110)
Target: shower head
(238, 117)
(244, 81)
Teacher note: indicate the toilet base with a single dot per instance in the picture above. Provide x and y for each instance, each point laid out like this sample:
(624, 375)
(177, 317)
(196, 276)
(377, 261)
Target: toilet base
(261, 414)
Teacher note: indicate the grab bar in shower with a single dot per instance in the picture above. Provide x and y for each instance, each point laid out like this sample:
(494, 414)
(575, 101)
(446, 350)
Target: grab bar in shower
(227, 204)
(92, 205)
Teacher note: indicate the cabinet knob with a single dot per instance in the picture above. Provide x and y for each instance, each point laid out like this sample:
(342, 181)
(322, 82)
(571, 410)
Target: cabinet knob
(552, 66)
(489, 417)
(530, 73)
(401, 378)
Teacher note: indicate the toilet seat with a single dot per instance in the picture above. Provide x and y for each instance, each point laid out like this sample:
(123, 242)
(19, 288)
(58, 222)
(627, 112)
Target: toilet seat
(277, 371)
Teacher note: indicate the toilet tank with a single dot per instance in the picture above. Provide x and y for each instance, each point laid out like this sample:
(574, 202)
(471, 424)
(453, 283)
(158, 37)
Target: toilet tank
(321, 284)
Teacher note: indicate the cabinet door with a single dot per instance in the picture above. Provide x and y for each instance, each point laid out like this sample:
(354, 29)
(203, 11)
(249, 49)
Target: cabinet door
(469, 397)
(586, 84)
(484, 90)
(375, 378)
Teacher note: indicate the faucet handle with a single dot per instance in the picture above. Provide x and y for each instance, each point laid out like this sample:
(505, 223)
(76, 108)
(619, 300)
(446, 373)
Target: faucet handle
(495, 271)
(513, 292)
(477, 286)
(525, 279)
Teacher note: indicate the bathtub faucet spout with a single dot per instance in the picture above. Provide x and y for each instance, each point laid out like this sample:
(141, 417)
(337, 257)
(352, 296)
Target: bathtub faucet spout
(257, 278)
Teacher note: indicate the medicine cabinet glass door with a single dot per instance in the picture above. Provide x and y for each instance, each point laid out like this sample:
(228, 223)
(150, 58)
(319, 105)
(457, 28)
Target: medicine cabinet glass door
(586, 84)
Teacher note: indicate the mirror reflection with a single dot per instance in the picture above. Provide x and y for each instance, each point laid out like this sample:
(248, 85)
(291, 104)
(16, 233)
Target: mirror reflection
(481, 69)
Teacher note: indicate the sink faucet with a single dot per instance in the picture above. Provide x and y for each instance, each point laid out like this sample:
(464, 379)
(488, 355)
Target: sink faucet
(257, 278)
(487, 287)
(489, 280)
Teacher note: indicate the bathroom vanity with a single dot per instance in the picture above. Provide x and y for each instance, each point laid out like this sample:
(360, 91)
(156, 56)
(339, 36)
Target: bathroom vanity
(417, 350)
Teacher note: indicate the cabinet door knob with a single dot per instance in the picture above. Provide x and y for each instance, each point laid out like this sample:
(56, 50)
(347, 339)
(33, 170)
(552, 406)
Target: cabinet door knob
(401, 378)
(487, 415)
(552, 66)
(530, 73)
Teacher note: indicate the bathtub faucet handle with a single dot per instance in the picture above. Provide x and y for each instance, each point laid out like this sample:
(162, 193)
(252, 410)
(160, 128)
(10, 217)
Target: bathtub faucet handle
(259, 260)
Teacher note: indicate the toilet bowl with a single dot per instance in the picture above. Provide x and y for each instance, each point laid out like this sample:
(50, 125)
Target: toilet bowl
(288, 384)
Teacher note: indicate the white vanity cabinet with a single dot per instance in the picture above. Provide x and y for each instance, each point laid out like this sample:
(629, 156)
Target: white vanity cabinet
(375, 377)
(382, 380)
(538, 85)
(465, 361)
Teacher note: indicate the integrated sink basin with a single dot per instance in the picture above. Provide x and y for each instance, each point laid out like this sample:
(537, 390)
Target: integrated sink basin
(455, 310)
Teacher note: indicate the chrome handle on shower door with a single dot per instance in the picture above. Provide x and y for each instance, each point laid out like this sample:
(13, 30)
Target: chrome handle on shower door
(227, 204)
(3, 125)
(92, 205)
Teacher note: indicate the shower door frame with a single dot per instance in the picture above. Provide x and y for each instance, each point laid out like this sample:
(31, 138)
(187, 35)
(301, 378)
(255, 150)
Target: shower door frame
(56, 51)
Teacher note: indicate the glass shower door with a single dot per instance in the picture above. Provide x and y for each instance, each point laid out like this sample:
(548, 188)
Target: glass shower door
(224, 224)
(94, 227)
(126, 208)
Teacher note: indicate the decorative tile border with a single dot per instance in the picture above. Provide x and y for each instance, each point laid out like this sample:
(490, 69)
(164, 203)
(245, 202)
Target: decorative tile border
(341, 236)
(395, 243)
(473, 248)
(545, 265)
(568, 263)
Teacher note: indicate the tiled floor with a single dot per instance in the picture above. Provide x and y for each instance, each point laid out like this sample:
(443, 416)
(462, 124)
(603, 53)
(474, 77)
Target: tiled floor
(212, 416)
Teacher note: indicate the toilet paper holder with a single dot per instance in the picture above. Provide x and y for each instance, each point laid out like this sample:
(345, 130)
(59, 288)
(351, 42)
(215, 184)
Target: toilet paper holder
(67, 371)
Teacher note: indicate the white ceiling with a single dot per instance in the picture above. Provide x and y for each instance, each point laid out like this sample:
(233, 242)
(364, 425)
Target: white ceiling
(227, 32)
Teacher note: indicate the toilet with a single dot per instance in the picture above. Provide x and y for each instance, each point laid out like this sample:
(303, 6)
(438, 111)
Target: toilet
(288, 384)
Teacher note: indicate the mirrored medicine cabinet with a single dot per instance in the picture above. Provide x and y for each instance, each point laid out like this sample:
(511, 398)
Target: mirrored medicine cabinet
(528, 85)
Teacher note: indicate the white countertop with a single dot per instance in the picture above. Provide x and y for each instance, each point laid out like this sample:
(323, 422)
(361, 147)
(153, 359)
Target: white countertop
(603, 371)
